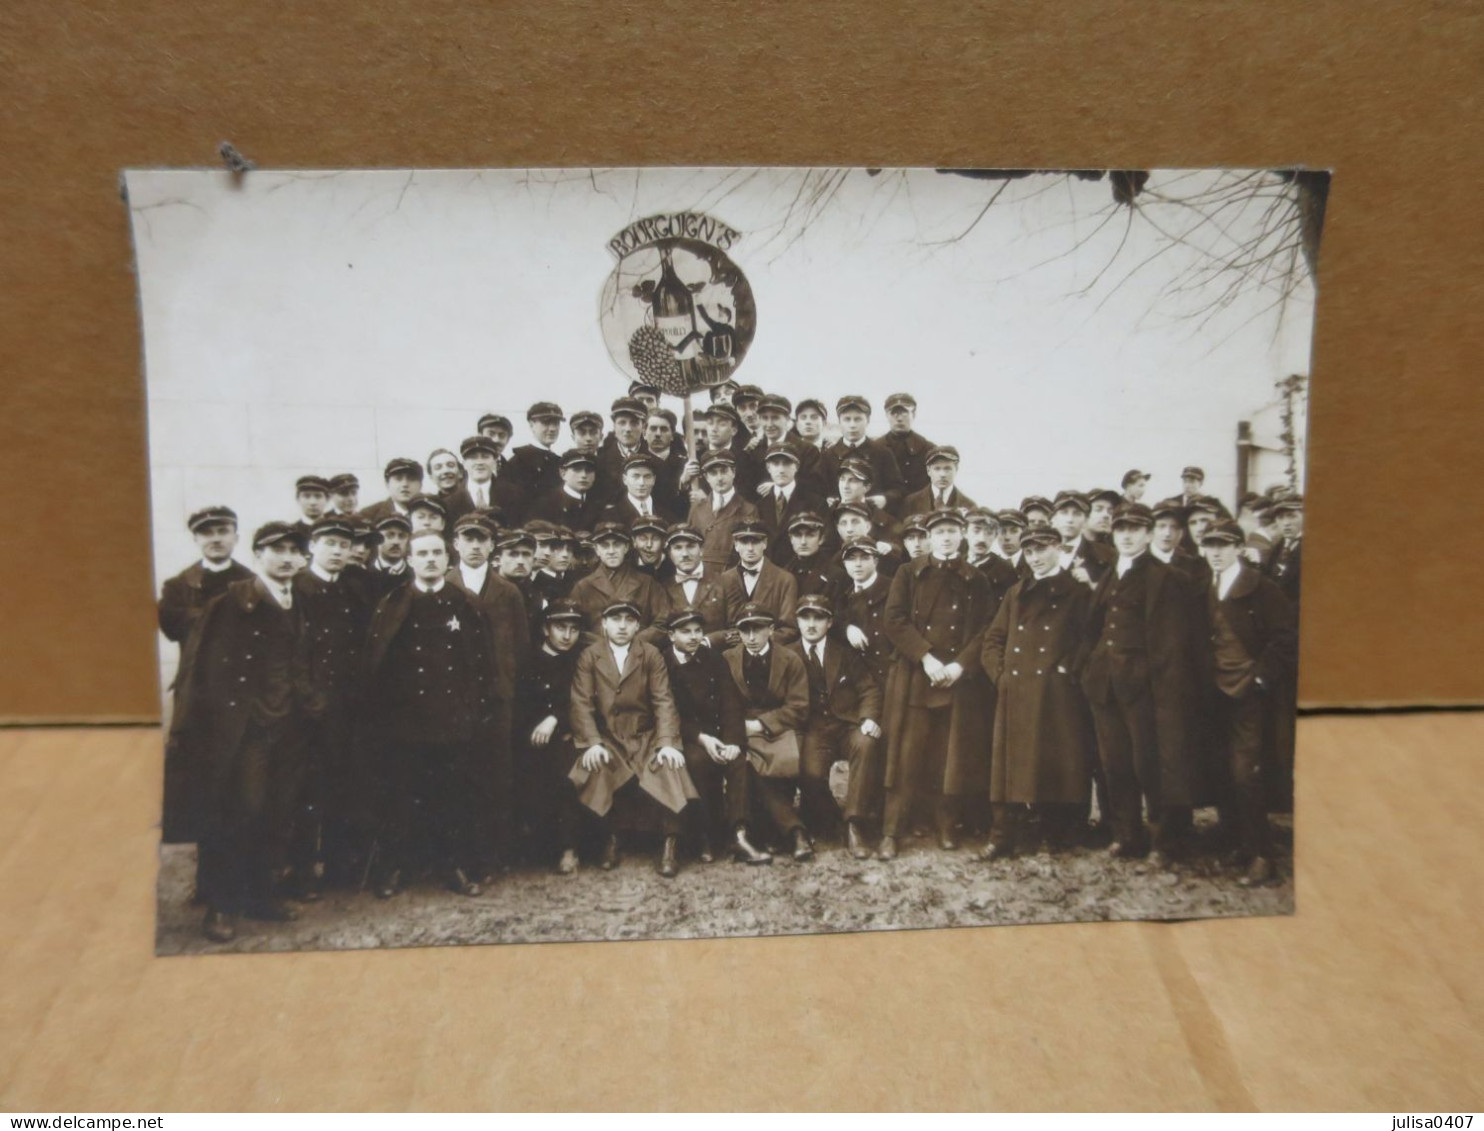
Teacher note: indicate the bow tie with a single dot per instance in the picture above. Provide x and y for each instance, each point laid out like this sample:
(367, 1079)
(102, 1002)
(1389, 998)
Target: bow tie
(684, 577)
(752, 572)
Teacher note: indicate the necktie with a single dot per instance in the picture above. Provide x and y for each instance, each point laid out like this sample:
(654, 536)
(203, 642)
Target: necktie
(816, 674)
(484, 495)
(779, 504)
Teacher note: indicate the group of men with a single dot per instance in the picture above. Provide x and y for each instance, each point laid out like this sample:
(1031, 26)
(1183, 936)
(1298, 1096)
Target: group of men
(555, 645)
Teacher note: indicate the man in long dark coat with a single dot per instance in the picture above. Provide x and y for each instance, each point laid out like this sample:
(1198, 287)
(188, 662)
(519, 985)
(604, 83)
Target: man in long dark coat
(1043, 740)
(937, 697)
(183, 598)
(1285, 560)
(854, 414)
(238, 724)
(332, 826)
(546, 806)
(508, 620)
(1145, 680)
(912, 451)
(430, 684)
(1254, 644)
(536, 468)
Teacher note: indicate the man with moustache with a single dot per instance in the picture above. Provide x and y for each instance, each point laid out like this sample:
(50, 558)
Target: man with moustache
(692, 584)
(388, 567)
(616, 581)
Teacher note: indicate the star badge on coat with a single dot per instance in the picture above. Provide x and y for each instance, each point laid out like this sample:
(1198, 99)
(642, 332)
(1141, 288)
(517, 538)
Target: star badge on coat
(453, 624)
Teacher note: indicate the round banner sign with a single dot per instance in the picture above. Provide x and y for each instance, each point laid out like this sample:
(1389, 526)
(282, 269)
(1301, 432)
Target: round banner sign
(676, 312)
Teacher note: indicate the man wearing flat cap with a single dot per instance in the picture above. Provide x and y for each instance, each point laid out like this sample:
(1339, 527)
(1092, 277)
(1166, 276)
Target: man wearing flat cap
(575, 504)
(238, 726)
(332, 823)
(546, 809)
(1284, 561)
(496, 427)
(775, 420)
(854, 413)
(937, 696)
(345, 493)
(404, 479)
(312, 495)
(491, 489)
(536, 467)
(636, 498)
(775, 696)
(183, 598)
(1144, 679)
(1085, 560)
(755, 580)
(1254, 647)
(713, 733)
(691, 583)
(429, 677)
(626, 440)
(810, 556)
(1133, 485)
(843, 725)
(810, 415)
(630, 773)
(1044, 748)
(1192, 485)
(616, 580)
(1013, 527)
(719, 511)
(940, 468)
(784, 497)
(389, 567)
(910, 449)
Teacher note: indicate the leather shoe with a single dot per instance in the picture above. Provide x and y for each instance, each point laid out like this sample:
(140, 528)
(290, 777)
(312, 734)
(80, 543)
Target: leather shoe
(389, 885)
(887, 849)
(462, 884)
(993, 851)
(668, 865)
(219, 926)
(271, 911)
(568, 864)
(803, 850)
(706, 855)
(1160, 860)
(855, 843)
(946, 840)
(1259, 872)
(610, 853)
(743, 850)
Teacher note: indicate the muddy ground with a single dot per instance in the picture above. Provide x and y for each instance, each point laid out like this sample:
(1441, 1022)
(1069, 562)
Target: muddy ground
(924, 887)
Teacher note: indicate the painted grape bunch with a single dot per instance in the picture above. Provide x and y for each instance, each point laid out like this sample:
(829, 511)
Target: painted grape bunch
(655, 361)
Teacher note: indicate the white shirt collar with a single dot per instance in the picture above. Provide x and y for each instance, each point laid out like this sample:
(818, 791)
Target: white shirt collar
(578, 495)
(785, 492)
(216, 567)
(719, 500)
(643, 506)
(1126, 564)
(861, 586)
(330, 578)
(1052, 572)
(1227, 578)
(280, 591)
(817, 645)
(474, 575)
(620, 655)
(763, 655)
(1163, 555)
(426, 588)
(1070, 550)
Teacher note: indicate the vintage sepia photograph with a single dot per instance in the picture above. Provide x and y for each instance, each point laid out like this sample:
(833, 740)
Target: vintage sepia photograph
(551, 555)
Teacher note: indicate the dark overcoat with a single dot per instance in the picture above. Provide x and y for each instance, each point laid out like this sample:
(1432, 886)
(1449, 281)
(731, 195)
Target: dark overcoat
(183, 600)
(866, 610)
(1254, 636)
(940, 608)
(1033, 651)
(632, 715)
(603, 586)
(226, 681)
(785, 704)
(1178, 665)
(776, 590)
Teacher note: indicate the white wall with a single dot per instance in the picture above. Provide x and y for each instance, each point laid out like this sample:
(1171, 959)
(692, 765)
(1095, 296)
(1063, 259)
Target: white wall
(326, 322)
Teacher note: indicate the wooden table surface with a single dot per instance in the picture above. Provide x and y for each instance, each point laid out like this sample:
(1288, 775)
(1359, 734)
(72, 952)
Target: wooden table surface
(1371, 997)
